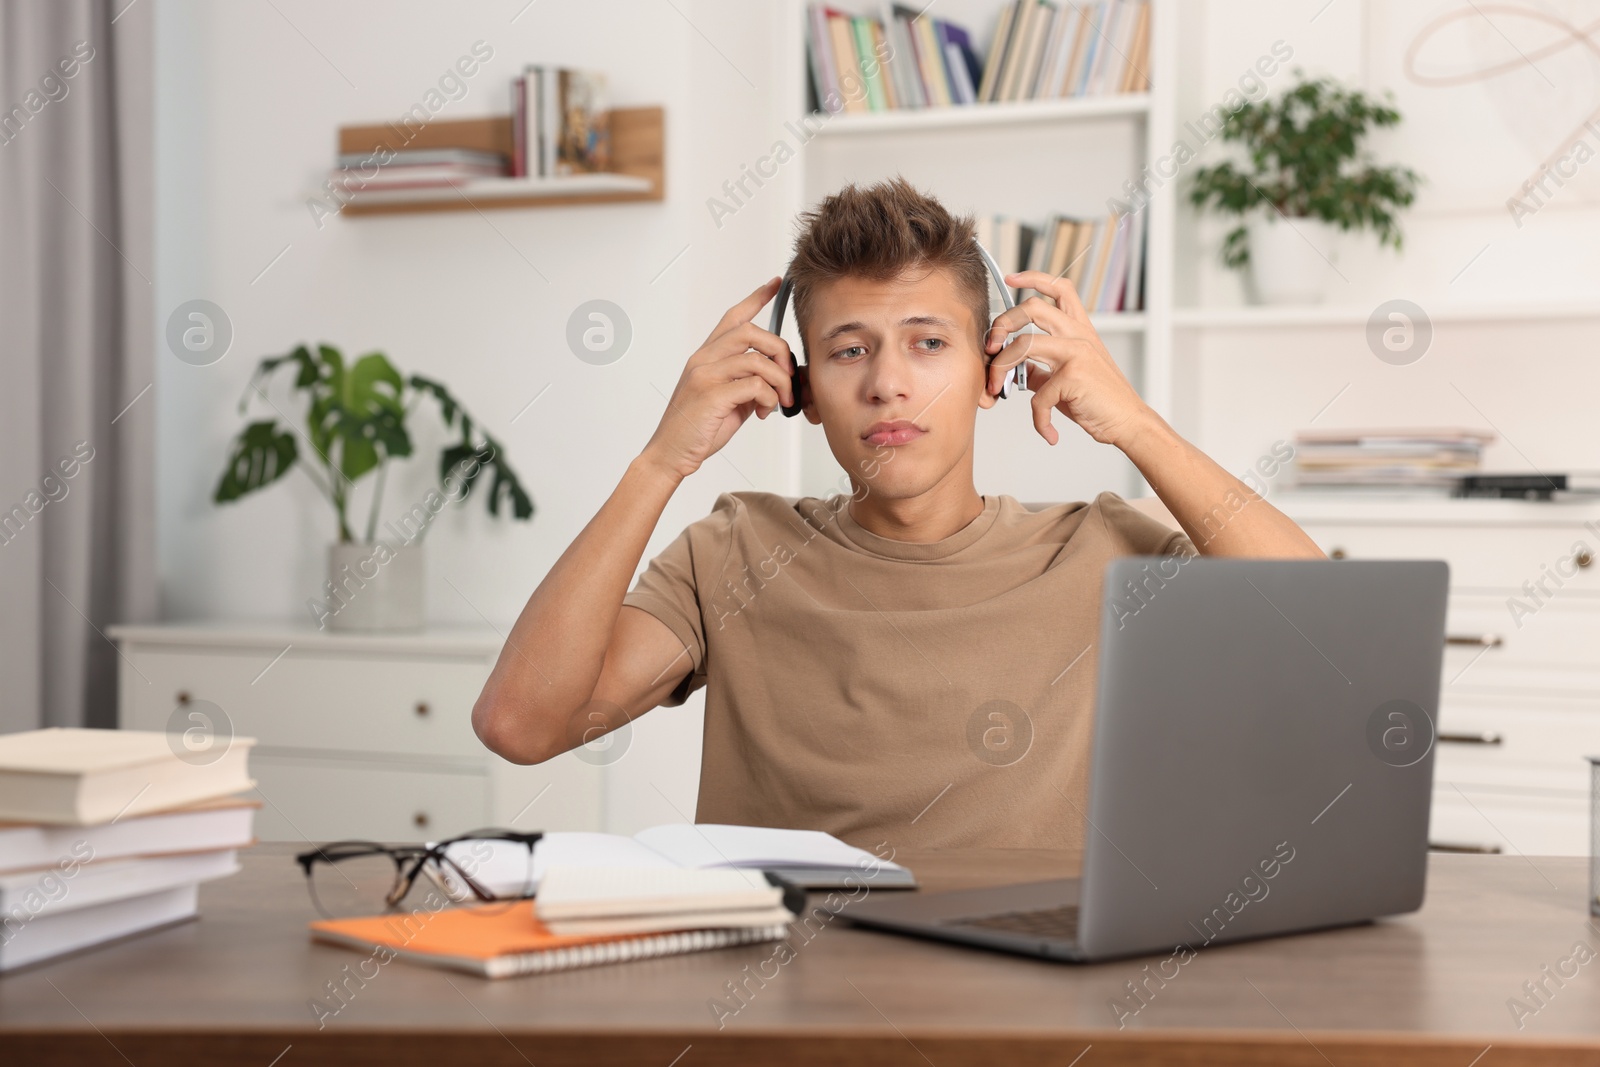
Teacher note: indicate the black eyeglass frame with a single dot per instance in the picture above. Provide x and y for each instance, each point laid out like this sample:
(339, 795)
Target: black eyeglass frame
(417, 856)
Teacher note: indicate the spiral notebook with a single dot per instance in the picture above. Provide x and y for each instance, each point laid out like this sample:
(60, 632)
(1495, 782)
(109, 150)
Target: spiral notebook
(501, 940)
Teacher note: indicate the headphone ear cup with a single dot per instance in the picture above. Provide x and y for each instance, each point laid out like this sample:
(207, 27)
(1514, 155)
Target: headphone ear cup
(794, 390)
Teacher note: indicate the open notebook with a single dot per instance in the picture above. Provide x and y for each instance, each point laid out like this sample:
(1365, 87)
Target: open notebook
(807, 858)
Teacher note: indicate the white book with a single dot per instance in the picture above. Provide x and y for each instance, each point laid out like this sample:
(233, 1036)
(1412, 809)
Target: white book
(960, 76)
(79, 777)
(1056, 52)
(1107, 58)
(47, 936)
(1043, 24)
(26, 896)
(626, 900)
(808, 858)
(203, 827)
(1134, 300)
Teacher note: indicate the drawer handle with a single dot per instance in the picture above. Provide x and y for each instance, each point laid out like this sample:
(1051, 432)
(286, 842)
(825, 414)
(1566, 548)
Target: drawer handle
(183, 696)
(422, 707)
(1584, 559)
(420, 819)
(1475, 850)
(1475, 640)
(1337, 553)
(1484, 738)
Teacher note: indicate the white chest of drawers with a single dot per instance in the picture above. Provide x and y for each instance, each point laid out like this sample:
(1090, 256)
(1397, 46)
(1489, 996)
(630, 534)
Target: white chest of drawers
(1520, 693)
(358, 736)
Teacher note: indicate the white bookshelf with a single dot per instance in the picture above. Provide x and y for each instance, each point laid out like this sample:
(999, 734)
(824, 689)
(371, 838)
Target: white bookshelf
(489, 190)
(1084, 150)
(1296, 316)
(1024, 112)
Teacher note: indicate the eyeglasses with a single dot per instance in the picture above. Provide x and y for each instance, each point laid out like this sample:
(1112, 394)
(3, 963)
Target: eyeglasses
(349, 878)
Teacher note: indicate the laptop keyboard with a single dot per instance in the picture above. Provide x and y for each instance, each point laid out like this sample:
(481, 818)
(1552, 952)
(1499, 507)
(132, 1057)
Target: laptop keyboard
(1061, 923)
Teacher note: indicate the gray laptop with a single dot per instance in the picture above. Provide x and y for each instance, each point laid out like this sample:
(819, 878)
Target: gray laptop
(1262, 764)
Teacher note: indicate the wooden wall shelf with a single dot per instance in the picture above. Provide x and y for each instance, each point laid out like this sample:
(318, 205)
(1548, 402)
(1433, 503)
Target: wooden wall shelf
(638, 162)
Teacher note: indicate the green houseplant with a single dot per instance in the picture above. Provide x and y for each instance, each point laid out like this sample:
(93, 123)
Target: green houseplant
(1305, 174)
(356, 423)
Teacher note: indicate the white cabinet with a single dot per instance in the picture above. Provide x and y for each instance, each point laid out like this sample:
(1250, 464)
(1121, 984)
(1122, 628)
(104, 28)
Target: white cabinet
(1519, 702)
(358, 736)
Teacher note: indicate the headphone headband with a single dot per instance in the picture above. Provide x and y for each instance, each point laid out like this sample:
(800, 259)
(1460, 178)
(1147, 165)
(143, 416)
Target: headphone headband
(1017, 376)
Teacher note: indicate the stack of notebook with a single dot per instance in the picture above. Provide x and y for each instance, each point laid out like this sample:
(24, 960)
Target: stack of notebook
(603, 898)
(106, 833)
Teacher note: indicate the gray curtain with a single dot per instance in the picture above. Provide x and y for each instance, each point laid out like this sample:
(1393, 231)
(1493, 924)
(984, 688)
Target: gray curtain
(77, 524)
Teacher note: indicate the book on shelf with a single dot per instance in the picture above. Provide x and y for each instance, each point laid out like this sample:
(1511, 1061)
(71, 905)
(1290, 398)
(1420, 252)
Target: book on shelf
(560, 123)
(1378, 458)
(497, 941)
(1102, 257)
(897, 59)
(426, 157)
(1049, 50)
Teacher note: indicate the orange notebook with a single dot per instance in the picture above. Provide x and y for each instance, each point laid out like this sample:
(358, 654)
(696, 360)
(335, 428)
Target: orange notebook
(499, 940)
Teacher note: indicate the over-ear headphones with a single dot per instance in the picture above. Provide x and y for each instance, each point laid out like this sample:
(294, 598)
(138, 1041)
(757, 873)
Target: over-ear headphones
(1017, 376)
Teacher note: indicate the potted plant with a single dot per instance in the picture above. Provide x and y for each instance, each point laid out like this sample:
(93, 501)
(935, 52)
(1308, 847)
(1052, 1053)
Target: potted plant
(355, 425)
(1307, 175)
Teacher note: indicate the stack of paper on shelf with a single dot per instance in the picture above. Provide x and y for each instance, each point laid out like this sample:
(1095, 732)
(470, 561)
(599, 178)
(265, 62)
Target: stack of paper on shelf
(1388, 459)
(105, 833)
(416, 168)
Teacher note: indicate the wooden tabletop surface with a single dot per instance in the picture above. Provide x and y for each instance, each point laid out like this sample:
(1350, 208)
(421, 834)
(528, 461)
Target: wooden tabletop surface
(1435, 987)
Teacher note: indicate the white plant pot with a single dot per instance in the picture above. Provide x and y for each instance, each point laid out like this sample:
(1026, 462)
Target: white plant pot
(372, 587)
(1290, 259)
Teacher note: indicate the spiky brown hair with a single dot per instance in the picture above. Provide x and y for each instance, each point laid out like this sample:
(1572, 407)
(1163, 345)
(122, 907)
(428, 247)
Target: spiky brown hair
(879, 231)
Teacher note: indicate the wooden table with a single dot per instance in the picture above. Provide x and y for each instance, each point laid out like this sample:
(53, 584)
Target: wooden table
(1430, 988)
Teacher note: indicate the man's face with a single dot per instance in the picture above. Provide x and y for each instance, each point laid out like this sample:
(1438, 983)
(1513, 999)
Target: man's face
(886, 351)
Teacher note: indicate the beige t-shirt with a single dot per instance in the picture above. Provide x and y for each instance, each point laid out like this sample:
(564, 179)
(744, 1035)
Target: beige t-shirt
(927, 695)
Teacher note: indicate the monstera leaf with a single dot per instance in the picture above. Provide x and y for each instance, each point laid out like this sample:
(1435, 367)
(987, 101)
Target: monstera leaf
(261, 455)
(458, 458)
(355, 423)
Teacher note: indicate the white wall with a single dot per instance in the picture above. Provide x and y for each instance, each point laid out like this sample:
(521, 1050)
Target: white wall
(1475, 143)
(250, 102)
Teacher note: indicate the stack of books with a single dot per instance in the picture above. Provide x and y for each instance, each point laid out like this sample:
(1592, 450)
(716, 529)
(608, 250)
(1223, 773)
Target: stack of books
(1042, 50)
(901, 61)
(1103, 257)
(106, 833)
(604, 898)
(1403, 460)
(560, 123)
(417, 168)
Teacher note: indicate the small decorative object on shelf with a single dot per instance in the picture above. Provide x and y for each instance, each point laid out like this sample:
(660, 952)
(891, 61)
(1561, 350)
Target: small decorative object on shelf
(355, 425)
(1306, 175)
(1041, 50)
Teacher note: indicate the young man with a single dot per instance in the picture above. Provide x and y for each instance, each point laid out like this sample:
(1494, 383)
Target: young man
(866, 656)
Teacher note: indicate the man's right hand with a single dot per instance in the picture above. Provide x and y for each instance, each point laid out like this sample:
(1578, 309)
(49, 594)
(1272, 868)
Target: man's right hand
(741, 368)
